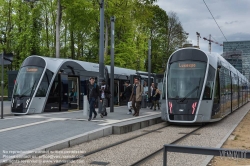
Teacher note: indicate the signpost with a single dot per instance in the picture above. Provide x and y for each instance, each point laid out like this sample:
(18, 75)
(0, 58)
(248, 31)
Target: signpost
(5, 60)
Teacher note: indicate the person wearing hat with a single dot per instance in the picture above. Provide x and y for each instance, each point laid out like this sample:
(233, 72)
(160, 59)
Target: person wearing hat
(127, 93)
(104, 96)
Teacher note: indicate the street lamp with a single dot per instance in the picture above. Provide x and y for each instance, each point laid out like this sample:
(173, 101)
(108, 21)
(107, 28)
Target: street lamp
(9, 58)
(101, 46)
(101, 41)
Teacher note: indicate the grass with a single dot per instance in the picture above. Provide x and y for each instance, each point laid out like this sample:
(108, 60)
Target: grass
(236, 137)
(5, 93)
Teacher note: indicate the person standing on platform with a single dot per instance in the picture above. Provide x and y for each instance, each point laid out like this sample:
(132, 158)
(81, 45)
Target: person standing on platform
(104, 95)
(71, 96)
(136, 96)
(151, 95)
(156, 97)
(92, 95)
(127, 93)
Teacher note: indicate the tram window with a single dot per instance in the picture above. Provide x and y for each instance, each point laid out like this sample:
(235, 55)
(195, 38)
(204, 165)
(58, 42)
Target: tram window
(208, 91)
(43, 88)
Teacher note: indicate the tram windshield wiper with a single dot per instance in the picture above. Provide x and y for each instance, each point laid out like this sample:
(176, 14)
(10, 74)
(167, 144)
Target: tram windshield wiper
(28, 90)
(189, 93)
(32, 87)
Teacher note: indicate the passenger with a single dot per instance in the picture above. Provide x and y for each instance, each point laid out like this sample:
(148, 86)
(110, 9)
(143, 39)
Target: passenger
(127, 93)
(156, 97)
(136, 96)
(151, 96)
(145, 86)
(71, 96)
(104, 96)
(92, 95)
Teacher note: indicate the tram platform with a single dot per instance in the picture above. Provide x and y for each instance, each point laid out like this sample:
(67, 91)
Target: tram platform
(55, 131)
(6, 108)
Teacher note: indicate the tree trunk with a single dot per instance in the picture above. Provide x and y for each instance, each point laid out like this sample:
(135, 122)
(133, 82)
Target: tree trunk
(46, 27)
(58, 22)
(72, 44)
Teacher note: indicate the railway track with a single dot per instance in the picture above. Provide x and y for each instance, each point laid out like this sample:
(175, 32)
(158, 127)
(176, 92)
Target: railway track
(106, 147)
(148, 157)
(139, 162)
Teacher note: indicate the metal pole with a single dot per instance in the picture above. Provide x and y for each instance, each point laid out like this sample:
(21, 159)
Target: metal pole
(149, 68)
(58, 20)
(101, 46)
(164, 156)
(2, 83)
(112, 63)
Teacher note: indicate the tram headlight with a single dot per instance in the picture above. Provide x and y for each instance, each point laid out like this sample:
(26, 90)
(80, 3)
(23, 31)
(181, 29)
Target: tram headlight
(27, 103)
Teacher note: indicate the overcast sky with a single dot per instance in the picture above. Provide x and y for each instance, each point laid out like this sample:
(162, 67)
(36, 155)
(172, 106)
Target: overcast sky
(233, 17)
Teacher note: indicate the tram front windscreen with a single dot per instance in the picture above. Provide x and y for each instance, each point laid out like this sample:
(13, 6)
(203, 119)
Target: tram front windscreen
(27, 81)
(185, 79)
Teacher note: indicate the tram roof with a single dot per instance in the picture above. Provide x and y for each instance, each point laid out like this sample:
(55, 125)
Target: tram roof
(88, 66)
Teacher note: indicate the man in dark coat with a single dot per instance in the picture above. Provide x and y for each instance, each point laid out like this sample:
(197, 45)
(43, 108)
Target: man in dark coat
(92, 95)
(127, 93)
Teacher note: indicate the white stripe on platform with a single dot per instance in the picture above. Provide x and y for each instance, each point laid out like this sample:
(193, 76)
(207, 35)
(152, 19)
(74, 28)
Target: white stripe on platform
(30, 124)
(112, 121)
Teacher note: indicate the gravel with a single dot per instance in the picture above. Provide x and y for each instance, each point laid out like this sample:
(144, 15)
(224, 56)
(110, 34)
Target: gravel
(213, 135)
(129, 152)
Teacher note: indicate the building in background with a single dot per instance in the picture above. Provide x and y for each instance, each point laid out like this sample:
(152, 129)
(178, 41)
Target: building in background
(235, 58)
(238, 54)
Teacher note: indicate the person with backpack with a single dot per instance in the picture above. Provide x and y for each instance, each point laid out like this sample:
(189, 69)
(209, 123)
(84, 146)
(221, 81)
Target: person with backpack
(127, 93)
(104, 96)
(92, 95)
(136, 96)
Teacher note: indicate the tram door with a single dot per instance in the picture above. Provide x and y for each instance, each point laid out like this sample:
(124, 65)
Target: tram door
(116, 93)
(73, 97)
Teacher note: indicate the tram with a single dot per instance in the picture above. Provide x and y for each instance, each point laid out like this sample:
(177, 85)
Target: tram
(202, 87)
(43, 84)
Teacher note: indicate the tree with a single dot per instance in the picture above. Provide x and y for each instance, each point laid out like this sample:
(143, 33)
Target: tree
(29, 28)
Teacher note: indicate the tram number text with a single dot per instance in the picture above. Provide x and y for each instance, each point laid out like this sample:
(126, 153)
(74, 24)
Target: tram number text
(31, 69)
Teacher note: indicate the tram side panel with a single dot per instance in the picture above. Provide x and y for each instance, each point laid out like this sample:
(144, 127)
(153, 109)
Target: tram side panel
(234, 91)
(216, 99)
(206, 105)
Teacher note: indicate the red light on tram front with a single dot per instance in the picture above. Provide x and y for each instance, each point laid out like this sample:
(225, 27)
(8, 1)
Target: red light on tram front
(170, 106)
(194, 106)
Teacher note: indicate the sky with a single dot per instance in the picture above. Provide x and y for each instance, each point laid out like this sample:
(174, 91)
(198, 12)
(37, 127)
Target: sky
(232, 16)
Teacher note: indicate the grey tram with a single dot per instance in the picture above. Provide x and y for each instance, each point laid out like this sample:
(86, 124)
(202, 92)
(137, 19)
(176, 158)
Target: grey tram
(202, 87)
(43, 84)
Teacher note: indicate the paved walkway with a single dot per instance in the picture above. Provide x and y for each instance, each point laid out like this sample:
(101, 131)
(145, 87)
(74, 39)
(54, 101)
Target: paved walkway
(23, 133)
(6, 108)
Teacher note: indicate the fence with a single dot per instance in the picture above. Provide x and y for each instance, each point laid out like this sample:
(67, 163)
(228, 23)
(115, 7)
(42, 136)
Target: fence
(204, 151)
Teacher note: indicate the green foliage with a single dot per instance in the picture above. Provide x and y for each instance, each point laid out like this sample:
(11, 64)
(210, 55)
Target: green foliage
(29, 28)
